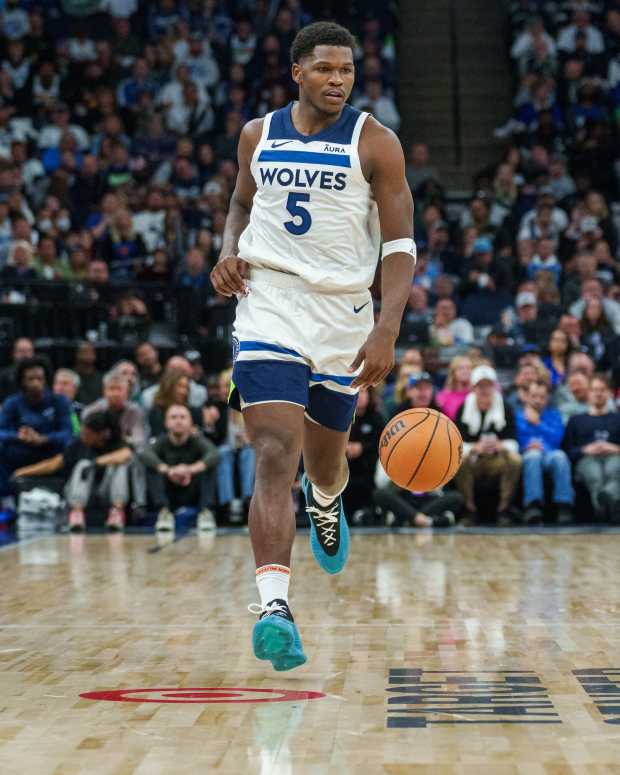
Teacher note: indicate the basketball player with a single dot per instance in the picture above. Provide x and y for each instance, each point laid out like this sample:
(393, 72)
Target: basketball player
(319, 184)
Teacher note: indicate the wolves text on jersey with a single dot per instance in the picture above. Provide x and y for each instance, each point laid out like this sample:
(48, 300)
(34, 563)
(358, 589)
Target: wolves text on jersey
(303, 178)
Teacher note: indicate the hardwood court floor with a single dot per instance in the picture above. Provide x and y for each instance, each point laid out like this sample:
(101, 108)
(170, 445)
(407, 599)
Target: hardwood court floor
(443, 654)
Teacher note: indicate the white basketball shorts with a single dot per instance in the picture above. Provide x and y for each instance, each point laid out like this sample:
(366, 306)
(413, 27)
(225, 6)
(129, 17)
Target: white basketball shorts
(294, 344)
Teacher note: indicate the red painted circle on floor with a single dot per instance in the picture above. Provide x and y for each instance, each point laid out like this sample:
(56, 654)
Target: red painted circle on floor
(208, 695)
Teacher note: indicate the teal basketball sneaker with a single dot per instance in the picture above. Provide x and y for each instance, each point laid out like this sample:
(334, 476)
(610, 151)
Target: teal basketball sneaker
(329, 532)
(276, 636)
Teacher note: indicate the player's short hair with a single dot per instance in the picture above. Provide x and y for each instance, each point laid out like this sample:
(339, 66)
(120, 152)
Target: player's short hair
(320, 34)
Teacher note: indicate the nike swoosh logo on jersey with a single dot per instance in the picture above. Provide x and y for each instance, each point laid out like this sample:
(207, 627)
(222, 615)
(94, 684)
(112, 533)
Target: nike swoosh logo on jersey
(279, 145)
(359, 309)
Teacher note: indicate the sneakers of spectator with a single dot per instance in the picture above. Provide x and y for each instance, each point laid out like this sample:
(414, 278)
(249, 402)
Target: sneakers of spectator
(116, 519)
(165, 521)
(445, 519)
(566, 515)
(206, 520)
(533, 514)
(77, 522)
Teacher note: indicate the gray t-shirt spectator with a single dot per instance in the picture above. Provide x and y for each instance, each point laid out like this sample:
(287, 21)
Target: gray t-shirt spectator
(132, 420)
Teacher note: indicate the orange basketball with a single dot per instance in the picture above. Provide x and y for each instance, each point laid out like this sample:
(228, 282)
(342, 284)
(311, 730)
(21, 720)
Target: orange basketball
(420, 449)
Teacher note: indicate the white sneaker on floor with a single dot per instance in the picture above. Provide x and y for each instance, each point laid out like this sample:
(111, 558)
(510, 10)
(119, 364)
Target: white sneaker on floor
(165, 521)
(206, 520)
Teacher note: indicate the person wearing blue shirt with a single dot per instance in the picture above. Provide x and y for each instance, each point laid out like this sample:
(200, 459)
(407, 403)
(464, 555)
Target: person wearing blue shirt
(34, 423)
(540, 432)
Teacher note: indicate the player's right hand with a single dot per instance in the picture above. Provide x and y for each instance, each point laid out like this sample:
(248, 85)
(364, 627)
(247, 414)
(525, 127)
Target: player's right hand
(229, 276)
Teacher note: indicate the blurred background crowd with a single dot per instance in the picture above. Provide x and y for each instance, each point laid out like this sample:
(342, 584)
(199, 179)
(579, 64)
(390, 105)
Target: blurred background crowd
(119, 122)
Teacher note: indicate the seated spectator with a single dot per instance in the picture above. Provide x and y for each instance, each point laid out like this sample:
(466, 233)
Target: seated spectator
(173, 388)
(23, 349)
(592, 442)
(128, 371)
(122, 247)
(419, 394)
(150, 369)
(457, 386)
(416, 318)
(34, 423)
(380, 105)
(572, 398)
(129, 317)
(526, 374)
(116, 401)
(483, 270)
(67, 383)
(47, 265)
(596, 331)
(181, 471)
(410, 509)
(539, 432)
(448, 330)
(544, 260)
(362, 453)
(394, 394)
(490, 448)
(594, 289)
(86, 368)
(545, 221)
(419, 169)
(20, 267)
(529, 327)
(556, 362)
(99, 458)
(197, 393)
(567, 37)
(194, 274)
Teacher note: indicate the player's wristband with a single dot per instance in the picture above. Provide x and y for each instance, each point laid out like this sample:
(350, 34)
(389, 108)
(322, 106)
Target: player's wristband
(406, 245)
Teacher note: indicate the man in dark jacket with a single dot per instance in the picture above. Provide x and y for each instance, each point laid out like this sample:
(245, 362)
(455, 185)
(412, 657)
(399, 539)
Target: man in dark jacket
(181, 470)
(592, 442)
(35, 424)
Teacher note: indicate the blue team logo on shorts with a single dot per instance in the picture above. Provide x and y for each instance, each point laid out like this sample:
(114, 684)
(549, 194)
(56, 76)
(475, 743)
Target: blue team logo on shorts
(235, 348)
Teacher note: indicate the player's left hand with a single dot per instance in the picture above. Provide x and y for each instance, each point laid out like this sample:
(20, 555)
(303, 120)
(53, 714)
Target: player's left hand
(377, 355)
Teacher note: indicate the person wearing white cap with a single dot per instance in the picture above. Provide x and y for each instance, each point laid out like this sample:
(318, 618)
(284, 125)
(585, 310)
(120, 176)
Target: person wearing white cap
(490, 449)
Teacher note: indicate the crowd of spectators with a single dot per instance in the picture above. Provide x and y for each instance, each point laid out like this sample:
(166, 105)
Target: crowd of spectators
(119, 122)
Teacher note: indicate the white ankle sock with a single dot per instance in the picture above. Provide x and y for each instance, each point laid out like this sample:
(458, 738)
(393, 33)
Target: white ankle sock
(272, 581)
(322, 498)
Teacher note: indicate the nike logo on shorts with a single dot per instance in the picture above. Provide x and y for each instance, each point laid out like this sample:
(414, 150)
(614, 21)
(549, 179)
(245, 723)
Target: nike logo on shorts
(279, 145)
(359, 309)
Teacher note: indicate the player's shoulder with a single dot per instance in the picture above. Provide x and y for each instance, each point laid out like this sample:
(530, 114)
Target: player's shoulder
(374, 131)
(253, 129)
(380, 148)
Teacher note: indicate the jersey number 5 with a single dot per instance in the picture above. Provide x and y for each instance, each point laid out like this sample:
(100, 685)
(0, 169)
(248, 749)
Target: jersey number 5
(298, 211)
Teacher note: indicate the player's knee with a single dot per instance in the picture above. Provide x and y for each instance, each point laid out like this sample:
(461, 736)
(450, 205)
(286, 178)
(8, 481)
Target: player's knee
(274, 454)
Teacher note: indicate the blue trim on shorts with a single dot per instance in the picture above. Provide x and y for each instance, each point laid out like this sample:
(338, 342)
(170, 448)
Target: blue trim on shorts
(344, 381)
(273, 348)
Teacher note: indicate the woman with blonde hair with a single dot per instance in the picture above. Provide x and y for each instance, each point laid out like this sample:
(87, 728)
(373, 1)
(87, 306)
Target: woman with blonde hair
(457, 387)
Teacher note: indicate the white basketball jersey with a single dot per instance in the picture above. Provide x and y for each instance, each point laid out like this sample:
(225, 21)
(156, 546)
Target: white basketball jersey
(313, 214)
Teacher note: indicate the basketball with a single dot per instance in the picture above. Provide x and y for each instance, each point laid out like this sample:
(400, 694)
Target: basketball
(420, 449)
